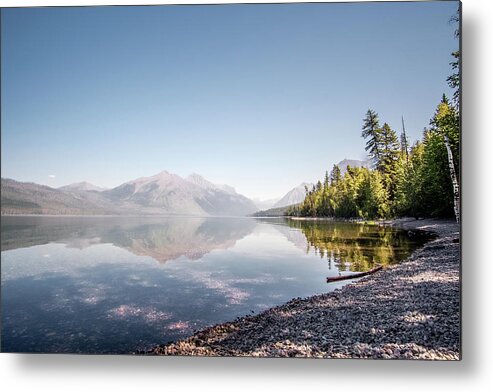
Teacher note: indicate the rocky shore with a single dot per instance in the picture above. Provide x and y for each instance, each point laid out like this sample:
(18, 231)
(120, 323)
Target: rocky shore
(407, 311)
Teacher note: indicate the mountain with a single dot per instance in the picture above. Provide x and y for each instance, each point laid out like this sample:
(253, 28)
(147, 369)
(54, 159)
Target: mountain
(173, 194)
(200, 181)
(274, 212)
(29, 198)
(163, 193)
(264, 204)
(81, 186)
(294, 196)
(220, 199)
(353, 163)
(166, 192)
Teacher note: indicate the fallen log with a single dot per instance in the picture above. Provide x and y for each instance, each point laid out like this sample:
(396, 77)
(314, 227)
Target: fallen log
(353, 276)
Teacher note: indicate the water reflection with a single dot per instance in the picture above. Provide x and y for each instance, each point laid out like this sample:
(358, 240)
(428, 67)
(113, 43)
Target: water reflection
(116, 285)
(163, 239)
(345, 246)
(350, 246)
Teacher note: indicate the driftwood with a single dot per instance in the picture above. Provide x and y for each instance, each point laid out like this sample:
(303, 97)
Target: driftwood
(354, 276)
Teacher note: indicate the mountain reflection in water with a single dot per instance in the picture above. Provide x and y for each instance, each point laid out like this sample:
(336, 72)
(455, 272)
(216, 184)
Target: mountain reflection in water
(345, 246)
(163, 239)
(120, 284)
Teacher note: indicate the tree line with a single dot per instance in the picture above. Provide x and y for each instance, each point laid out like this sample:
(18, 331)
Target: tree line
(404, 180)
(419, 180)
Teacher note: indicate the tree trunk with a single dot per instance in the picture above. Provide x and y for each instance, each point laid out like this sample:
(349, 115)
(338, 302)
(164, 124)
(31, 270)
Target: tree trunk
(453, 177)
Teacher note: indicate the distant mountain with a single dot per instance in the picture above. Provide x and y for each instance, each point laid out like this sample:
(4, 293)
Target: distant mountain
(173, 194)
(82, 186)
(274, 212)
(297, 194)
(29, 198)
(294, 196)
(167, 192)
(163, 193)
(200, 181)
(265, 204)
(353, 163)
(220, 199)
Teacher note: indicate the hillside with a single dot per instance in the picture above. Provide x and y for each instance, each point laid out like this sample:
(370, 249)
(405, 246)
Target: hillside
(294, 196)
(279, 211)
(29, 198)
(163, 193)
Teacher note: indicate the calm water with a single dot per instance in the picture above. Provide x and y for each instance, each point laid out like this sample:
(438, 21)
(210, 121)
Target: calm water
(118, 285)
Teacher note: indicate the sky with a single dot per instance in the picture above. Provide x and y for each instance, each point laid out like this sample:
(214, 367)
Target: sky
(260, 97)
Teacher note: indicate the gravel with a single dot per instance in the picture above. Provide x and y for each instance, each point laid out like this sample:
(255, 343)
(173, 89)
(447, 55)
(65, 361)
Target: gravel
(406, 311)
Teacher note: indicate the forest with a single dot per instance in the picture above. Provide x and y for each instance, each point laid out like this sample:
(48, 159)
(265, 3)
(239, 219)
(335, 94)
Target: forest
(418, 180)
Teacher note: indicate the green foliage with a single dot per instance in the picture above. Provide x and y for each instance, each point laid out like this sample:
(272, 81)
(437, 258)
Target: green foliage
(371, 132)
(335, 175)
(389, 157)
(389, 149)
(359, 194)
(408, 192)
(446, 123)
(404, 182)
(415, 182)
(436, 187)
(454, 79)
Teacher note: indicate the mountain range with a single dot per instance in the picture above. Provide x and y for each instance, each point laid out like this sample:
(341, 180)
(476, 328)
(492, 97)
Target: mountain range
(82, 186)
(163, 193)
(162, 238)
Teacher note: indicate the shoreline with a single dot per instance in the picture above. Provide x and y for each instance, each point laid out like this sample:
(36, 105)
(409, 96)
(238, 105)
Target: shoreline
(407, 311)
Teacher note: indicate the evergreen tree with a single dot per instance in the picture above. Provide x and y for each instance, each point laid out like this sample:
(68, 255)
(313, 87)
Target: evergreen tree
(445, 123)
(404, 142)
(435, 184)
(408, 196)
(389, 153)
(421, 181)
(454, 79)
(371, 199)
(326, 181)
(335, 175)
(372, 132)
(389, 156)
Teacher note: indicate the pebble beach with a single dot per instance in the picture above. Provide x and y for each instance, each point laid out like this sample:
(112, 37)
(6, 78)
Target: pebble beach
(406, 311)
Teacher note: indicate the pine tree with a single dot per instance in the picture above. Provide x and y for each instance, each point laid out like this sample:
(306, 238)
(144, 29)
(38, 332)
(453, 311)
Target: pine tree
(404, 142)
(454, 79)
(335, 175)
(408, 195)
(445, 123)
(326, 181)
(389, 155)
(372, 132)
(435, 185)
(390, 149)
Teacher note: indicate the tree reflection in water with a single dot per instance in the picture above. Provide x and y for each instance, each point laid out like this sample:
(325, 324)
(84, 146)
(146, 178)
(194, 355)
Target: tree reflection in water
(357, 247)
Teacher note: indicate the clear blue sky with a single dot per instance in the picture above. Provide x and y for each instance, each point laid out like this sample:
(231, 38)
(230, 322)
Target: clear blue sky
(261, 97)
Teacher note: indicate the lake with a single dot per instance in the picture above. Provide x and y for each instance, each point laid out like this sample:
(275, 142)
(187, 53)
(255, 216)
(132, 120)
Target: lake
(124, 284)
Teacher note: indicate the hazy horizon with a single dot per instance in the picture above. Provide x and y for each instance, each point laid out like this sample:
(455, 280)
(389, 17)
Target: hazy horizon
(50, 184)
(259, 97)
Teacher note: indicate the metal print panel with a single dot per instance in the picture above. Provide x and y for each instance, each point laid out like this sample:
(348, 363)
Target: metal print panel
(266, 180)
